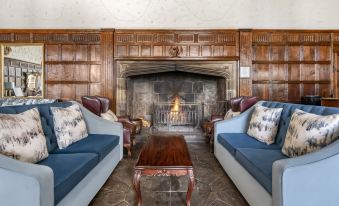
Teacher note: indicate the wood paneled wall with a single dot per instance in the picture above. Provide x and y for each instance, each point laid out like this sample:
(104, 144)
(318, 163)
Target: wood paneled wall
(289, 64)
(73, 60)
(335, 77)
(285, 64)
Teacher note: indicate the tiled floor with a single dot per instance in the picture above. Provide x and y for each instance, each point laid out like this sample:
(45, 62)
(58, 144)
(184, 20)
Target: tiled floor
(213, 187)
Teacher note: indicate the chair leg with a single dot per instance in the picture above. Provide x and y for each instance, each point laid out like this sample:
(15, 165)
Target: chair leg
(128, 147)
(212, 144)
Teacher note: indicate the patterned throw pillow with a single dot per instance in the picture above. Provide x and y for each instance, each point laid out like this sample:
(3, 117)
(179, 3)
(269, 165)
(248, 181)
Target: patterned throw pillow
(264, 124)
(22, 136)
(69, 125)
(309, 132)
(229, 114)
(110, 116)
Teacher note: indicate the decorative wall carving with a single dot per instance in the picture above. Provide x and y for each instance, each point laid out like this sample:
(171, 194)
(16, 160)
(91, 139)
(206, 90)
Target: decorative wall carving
(175, 51)
(176, 43)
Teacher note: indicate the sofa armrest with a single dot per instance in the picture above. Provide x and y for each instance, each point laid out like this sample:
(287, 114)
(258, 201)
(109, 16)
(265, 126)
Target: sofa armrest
(98, 125)
(24, 183)
(311, 179)
(237, 124)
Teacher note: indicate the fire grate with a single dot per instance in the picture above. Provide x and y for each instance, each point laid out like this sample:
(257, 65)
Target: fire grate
(171, 115)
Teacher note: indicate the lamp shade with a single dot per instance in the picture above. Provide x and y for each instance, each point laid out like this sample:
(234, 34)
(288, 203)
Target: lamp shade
(9, 85)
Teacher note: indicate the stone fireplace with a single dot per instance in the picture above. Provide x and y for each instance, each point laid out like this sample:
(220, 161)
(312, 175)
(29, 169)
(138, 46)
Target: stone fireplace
(174, 95)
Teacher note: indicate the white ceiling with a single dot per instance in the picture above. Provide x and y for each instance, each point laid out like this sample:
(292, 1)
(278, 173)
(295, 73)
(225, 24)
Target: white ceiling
(301, 14)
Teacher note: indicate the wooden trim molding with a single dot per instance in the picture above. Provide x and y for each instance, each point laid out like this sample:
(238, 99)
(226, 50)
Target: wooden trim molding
(107, 51)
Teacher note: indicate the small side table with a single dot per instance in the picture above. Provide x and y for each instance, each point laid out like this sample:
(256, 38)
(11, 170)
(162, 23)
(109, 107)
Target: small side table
(330, 102)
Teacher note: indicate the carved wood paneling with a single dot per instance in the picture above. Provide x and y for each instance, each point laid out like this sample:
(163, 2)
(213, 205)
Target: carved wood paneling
(107, 73)
(191, 44)
(70, 56)
(291, 64)
(245, 42)
(285, 64)
(336, 74)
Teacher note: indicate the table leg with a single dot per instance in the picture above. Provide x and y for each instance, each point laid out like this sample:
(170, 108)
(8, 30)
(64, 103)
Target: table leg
(136, 184)
(190, 187)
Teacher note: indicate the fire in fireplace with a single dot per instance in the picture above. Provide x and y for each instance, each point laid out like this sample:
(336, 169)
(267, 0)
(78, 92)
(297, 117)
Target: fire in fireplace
(176, 115)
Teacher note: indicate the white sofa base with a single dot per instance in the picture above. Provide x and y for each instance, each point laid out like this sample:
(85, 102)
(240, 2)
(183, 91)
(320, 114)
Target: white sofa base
(86, 189)
(252, 191)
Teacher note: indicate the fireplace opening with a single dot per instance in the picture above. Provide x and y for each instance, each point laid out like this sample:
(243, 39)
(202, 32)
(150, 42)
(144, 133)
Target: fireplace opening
(174, 96)
(175, 101)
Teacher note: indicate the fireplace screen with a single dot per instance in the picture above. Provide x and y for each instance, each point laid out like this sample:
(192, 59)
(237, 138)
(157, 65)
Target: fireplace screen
(176, 115)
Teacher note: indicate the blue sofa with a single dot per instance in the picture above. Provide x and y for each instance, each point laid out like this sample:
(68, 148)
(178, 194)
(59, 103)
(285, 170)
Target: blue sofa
(264, 175)
(71, 176)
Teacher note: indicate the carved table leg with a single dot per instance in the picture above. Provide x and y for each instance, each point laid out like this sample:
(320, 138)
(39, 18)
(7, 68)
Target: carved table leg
(136, 184)
(190, 187)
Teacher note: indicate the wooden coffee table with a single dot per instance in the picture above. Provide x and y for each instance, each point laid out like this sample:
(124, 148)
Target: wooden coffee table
(164, 156)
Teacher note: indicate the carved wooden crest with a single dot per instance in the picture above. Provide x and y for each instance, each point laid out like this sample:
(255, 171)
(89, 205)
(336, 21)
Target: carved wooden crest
(175, 51)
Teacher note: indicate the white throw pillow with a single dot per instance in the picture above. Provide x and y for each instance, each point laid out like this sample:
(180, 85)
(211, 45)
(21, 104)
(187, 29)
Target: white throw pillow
(22, 136)
(229, 114)
(309, 132)
(264, 124)
(69, 125)
(110, 116)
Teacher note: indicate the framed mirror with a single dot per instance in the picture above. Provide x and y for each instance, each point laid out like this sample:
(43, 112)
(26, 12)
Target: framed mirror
(22, 70)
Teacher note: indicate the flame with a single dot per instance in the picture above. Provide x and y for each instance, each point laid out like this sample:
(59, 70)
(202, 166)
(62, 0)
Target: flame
(174, 114)
(176, 104)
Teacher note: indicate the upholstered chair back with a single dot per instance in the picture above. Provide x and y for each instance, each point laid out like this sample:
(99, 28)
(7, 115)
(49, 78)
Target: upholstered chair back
(247, 102)
(104, 103)
(92, 103)
(235, 103)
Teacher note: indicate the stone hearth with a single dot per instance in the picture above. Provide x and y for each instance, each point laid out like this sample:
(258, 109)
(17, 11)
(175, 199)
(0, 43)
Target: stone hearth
(143, 84)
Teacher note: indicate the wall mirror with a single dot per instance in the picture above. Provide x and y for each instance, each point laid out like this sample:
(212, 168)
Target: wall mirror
(22, 70)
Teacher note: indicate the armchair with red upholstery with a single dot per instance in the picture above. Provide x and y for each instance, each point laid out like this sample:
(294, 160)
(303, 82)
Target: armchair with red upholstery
(99, 105)
(236, 104)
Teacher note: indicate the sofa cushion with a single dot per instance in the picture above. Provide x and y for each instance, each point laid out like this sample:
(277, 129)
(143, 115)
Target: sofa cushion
(22, 136)
(69, 125)
(110, 116)
(258, 162)
(310, 132)
(95, 143)
(233, 141)
(287, 112)
(69, 170)
(264, 124)
(230, 114)
(45, 116)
